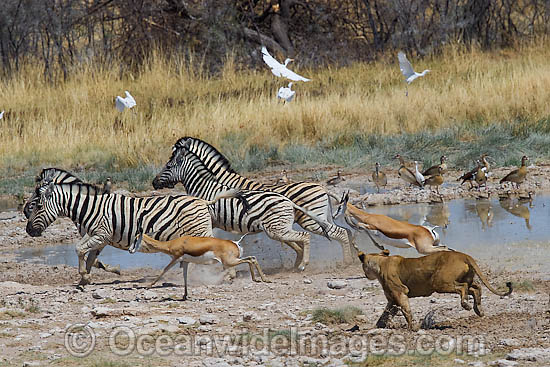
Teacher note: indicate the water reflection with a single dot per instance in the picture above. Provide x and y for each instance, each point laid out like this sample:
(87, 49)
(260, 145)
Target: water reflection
(439, 215)
(519, 208)
(484, 211)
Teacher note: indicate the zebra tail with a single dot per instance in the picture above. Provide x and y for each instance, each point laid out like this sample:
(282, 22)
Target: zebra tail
(323, 224)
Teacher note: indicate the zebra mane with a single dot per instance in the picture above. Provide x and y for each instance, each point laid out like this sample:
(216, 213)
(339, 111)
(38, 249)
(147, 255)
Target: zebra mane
(195, 159)
(56, 175)
(90, 189)
(195, 145)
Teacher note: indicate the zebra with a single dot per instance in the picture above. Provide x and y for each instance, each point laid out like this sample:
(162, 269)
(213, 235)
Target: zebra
(111, 219)
(60, 176)
(269, 212)
(311, 196)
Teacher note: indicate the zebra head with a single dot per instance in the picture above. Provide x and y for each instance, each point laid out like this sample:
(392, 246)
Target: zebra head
(46, 176)
(173, 170)
(44, 212)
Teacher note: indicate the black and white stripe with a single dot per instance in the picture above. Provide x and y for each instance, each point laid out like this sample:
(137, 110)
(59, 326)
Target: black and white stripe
(311, 196)
(268, 211)
(111, 219)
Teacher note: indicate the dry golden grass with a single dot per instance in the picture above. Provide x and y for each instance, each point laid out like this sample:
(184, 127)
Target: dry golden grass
(75, 123)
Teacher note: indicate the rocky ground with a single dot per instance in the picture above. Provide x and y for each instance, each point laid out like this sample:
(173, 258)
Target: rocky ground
(322, 317)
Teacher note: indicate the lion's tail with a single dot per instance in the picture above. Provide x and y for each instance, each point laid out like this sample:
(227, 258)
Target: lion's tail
(477, 270)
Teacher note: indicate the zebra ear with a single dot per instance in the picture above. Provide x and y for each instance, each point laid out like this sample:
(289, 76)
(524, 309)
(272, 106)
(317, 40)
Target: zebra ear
(187, 144)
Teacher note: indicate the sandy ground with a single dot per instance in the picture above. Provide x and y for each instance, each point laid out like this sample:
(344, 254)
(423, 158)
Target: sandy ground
(46, 320)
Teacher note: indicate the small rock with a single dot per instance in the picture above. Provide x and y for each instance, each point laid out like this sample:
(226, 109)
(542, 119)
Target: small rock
(249, 316)
(503, 363)
(476, 364)
(530, 354)
(336, 363)
(103, 312)
(307, 281)
(168, 328)
(336, 284)
(208, 319)
(31, 364)
(510, 342)
(148, 295)
(44, 335)
(186, 320)
(459, 361)
(100, 294)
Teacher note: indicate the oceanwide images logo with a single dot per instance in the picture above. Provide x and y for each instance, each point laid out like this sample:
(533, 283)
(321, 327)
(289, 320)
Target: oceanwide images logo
(80, 341)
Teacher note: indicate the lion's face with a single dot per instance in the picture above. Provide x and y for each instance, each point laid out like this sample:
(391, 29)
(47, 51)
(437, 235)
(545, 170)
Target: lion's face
(370, 265)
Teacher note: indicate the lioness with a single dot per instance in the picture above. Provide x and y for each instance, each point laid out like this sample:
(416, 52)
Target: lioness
(441, 272)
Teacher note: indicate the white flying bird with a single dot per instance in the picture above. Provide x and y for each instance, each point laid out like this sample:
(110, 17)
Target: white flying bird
(286, 93)
(1, 115)
(122, 103)
(407, 69)
(279, 69)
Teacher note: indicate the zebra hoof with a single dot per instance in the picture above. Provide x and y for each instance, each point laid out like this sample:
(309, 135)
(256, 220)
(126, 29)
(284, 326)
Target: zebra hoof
(114, 269)
(84, 280)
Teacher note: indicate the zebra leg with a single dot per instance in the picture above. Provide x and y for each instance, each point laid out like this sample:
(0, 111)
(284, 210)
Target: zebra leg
(93, 261)
(335, 232)
(299, 241)
(299, 252)
(111, 269)
(87, 245)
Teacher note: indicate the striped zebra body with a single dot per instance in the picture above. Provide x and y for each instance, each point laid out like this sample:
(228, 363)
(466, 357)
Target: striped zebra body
(110, 219)
(268, 211)
(60, 176)
(308, 195)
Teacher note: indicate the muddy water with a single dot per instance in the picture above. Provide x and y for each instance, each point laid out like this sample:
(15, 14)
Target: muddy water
(509, 234)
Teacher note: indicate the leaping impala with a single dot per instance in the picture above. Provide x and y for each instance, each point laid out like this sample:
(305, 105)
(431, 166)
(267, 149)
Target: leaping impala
(390, 231)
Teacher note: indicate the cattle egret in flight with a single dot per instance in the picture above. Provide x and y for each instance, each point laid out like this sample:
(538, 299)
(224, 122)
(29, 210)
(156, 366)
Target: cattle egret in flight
(122, 103)
(279, 69)
(286, 93)
(407, 70)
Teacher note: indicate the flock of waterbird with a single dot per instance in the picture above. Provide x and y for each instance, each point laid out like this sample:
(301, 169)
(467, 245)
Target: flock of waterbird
(281, 70)
(433, 176)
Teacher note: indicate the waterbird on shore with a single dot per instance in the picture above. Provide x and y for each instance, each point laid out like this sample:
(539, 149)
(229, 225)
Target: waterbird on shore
(284, 179)
(378, 177)
(404, 173)
(286, 94)
(481, 177)
(122, 103)
(486, 167)
(2, 115)
(279, 69)
(107, 186)
(434, 170)
(435, 180)
(419, 177)
(517, 176)
(408, 71)
(337, 179)
(470, 175)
